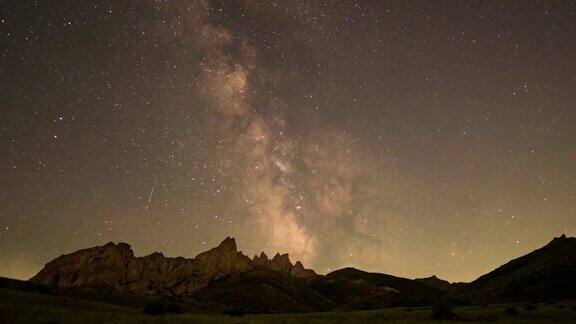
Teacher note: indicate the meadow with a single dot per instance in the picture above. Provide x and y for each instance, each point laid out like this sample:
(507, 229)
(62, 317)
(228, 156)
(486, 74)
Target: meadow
(28, 306)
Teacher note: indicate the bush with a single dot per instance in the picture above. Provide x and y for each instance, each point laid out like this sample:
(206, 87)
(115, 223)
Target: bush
(155, 309)
(443, 312)
(511, 311)
(531, 307)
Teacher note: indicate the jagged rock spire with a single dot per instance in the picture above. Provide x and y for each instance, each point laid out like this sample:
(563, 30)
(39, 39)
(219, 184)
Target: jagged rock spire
(229, 243)
(260, 260)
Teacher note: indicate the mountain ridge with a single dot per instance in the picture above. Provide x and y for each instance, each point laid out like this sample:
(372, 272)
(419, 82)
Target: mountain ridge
(115, 266)
(224, 278)
(547, 273)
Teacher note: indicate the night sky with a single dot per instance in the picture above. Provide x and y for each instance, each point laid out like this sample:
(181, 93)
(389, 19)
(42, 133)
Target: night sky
(406, 137)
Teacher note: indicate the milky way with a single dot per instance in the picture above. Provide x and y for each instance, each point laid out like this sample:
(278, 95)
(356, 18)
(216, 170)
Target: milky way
(393, 136)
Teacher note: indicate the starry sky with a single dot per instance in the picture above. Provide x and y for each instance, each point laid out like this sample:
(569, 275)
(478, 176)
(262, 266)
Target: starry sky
(406, 137)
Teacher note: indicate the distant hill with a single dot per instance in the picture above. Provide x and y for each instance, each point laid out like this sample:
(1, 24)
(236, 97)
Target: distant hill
(546, 274)
(436, 282)
(357, 289)
(223, 279)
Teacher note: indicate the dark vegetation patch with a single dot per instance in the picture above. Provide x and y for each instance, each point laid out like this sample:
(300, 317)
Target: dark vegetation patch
(161, 308)
(154, 309)
(512, 311)
(443, 312)
(235, 312)
(531, 307)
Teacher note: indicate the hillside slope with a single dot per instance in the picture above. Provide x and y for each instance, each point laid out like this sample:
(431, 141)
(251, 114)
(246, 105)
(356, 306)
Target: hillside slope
(546, 274)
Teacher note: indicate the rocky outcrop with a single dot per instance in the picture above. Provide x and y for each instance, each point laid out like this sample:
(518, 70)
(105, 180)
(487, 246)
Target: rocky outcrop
(282, 263)
(114, 266)
(299, 271)
(260, 260)
(104, 266)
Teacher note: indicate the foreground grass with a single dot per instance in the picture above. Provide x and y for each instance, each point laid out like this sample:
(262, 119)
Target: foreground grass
(30, 307)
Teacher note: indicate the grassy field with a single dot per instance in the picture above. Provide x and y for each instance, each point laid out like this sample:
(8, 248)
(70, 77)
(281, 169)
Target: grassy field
(32, 307)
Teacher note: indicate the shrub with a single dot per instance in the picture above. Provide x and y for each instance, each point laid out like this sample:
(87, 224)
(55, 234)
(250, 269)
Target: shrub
(443, 312)
(511, 311)
(154, 309)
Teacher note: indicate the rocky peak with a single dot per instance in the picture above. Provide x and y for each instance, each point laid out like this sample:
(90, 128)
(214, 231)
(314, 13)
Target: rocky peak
(299, 271)
(222, 260)
(280, 262)
(92, 267)
(110, 247)
(299, 265)
(260, 260)
(226, 249)
(123, 246)
(229, 244)
(562, 242)
(156, 256)
(281, 257)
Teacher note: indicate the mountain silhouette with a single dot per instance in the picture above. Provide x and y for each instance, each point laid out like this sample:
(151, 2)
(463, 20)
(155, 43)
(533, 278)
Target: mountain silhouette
(436, 282)
(546, 274)
(223, 278)
(357, 289)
